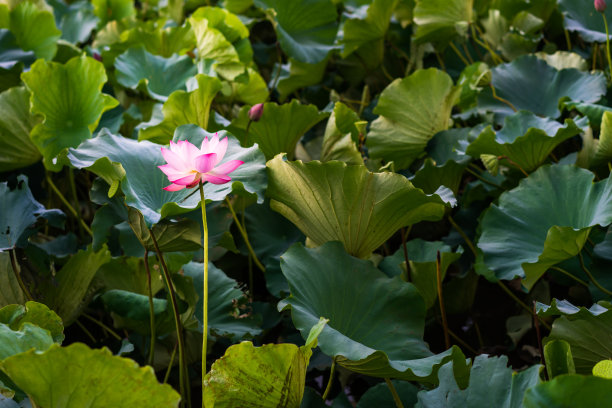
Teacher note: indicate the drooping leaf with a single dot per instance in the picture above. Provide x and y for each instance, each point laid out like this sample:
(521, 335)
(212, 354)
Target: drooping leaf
(411, 111)
(597, 152)
(340, 133)
(529, 83)
(77, 376)
(170, 236)
(27, 337)
(586, 21)
(269, 376)
(525, 139)
(19, 211)
(16, 122)
(184, 108)
(34, 28)
(363, 333)
(16, 316)
(440, 21)
(569, 391)
(227, 309)
(558, 357)
(491, 384)
(158, 76)
(306, 29)
(544, 221)
(129, 274)
(143, 183)
(280, 127)
(70, 100)
(335, 202)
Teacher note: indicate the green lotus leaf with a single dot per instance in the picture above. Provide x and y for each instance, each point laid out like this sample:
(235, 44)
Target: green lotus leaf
(412, 110)
(251, 92)
(171, 236)
(541, 222)
(19, 212)
(68, 294)
(159, 39)
(70, 100)
(76, 20)
(370, 31)
(16, 122)
(34, 29)
(184, 108)
(529, 83)
(158, 76)
(335, 202)
(558, 357)
(430, 178)
(363, 333)
(584, 331)
(16, 316)
(603, 369)
(297, 75)
(306, 29)
(237, 6)
(143, 183)
(225, 316)
(565, 308)
(491, 384)
(451, 145)
(597, 152)
(10, 292)
(440, 21)
(280, 127)
(128, 274)
(12, 59)
(27, 337)
(110, 10)
(472, 80)
(340, 134)
(77, 376)
(380, 395)
(569, 391)
(591, 110)
(526, 139)
(564, 59)
(586, 21)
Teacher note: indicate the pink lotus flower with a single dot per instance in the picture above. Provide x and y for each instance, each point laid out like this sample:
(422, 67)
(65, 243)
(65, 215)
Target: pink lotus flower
(188, 165)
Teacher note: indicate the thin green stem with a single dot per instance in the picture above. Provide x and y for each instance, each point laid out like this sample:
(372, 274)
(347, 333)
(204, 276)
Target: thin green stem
(151, 308)
(485, 44)
(87, 332)
(467, 52)
(172, 357)
(103, 326)
(463, 343)
(607, 43)
(177, 319)
(503, 100)
(332, 371)
(441, 300)
(396, 398)
(461, 57)
(15, 267)
(405, 233)
(563, 271)
(245, 237)
(467, 239)
(520, 302)
(591, 277)
(568, 41)
(479, 177)
(67, 204)
(75, 200)
(205, 293)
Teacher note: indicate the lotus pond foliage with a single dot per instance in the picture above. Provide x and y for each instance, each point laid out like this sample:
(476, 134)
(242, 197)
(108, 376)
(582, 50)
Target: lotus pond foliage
(305, 203)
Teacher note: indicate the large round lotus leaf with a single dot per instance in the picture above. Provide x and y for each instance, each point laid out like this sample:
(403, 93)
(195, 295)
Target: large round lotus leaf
(34, 29)
(585, 20)
(584, 330)
(16, 122)
(440, 21)
(70, 100)
(142, 182)
(306, 29)
(76, 20)
(77, 376)
(525, 139)
(335, 202)
(19, 211)
(159, 76)
(570, 391)
(15, 316)
(280, 127)
(529, 83)
(411, 111)
(225, 318)
(375, 324)
(184, 108)
(544, 221)
(491, 384)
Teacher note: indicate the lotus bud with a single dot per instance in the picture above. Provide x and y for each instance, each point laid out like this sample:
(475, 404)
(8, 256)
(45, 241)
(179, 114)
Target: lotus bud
(97, 56)
(256, 111)
(600, 5)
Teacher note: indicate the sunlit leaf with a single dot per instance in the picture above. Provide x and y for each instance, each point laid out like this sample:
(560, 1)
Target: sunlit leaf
(34, 28)
(440, 21)
(15, 316)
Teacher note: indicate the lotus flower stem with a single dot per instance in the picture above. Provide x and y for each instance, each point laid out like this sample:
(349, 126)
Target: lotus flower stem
(568, 40)
(563, 271)
(447, 342)
(243, 232)
(607, 43)
(521, 303)
(205, 290)
(177, 321)
(102, 326)
(67, 204)
(462, 342)
(151, 308)
(536, 323)
(75, 200)
(87, 332)
(22, 285)
(591, 277)
(467, 239)
(405, 233)
(484, 44)
(396, 398)
(461, 57)
(172, 357)
(330, 381)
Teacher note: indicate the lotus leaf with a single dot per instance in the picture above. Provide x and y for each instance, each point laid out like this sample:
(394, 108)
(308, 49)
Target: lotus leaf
(440, 21)
(569, 391)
